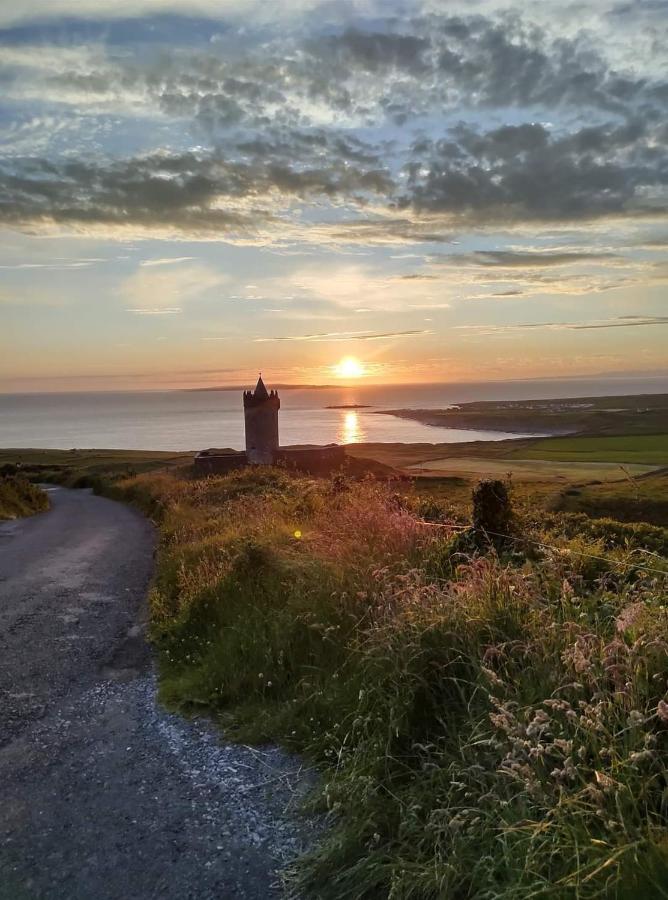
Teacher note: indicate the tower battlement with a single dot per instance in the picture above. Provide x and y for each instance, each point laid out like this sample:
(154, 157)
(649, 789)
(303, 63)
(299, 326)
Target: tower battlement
(251, 399)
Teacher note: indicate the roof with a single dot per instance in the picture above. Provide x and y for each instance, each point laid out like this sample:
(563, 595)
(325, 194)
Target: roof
(261, 391)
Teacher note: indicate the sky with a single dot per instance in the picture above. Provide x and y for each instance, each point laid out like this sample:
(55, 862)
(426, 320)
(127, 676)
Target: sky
(192, 191)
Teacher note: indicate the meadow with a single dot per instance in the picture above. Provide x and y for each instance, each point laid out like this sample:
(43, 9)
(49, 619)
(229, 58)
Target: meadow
(489, 717)
(646, 449)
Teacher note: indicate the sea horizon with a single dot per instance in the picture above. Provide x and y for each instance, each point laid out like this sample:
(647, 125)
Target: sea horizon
(651, 383)
(181, 420)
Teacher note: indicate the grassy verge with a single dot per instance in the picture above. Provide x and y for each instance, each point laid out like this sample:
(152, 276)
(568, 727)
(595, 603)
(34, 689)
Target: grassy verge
(87, 468)
(486, 726)
(18, 497)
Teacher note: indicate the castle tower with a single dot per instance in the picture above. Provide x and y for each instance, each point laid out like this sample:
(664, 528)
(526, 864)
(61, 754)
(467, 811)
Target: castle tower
(261, 419)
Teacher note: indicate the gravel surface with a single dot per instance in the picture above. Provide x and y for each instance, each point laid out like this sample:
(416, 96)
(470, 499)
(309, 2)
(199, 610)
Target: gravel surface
(103, 794)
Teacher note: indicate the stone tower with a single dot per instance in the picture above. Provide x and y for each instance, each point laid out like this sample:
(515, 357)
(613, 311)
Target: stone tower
(261, 419)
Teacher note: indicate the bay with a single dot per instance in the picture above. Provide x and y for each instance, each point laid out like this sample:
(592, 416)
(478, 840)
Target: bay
(193, 420)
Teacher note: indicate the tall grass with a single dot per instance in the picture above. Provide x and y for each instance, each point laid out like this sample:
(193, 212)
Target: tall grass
(18, 497)
(487, 727)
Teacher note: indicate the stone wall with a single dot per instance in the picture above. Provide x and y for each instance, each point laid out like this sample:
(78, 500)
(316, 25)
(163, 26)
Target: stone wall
(312, 460)
(211, 463)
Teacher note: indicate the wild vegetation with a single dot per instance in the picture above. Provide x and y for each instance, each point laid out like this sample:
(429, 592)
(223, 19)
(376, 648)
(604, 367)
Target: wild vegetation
(18, 497)
(490, 716)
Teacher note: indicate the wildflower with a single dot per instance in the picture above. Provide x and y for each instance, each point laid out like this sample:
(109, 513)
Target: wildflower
(493, 677)
(662, 710)
(629, 616)
(635, 718)
(492, 653)
(557, 705)
(604, 781)
(641, 756)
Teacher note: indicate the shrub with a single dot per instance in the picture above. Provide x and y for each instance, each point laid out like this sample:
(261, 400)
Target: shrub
(492, 513)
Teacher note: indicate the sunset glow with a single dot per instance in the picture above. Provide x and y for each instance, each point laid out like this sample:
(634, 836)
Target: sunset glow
(330, 190)
(349, 367)
(350, 431)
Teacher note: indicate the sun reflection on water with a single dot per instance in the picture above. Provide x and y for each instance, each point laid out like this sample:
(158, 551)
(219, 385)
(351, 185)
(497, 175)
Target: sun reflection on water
(350, 430)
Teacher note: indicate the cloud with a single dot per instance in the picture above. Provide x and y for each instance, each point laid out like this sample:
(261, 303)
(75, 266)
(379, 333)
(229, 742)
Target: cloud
(168, 261)
(356, 125)
(189, 193)
(523, 272)
(343, 336)
(101, 10)
(155, 310)
(527, 173)
(532, 258)
(618, 322)
(163, 290)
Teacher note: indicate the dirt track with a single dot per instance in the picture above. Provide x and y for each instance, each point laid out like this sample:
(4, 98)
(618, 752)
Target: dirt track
(103, 794)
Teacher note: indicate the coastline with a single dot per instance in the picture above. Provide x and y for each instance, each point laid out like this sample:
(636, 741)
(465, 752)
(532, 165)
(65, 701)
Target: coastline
(447, 419)
(640, 414)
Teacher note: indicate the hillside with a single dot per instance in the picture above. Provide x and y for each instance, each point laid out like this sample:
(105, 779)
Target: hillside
(489, 719)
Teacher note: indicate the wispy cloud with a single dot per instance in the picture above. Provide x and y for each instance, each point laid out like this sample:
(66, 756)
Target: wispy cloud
(154, 311)
(618, 322)
(57, 265)
(167, 261)
(164, 287)
(343, 336)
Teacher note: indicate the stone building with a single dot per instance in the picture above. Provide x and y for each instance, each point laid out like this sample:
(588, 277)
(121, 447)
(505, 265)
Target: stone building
(261, 420)
(262, 444)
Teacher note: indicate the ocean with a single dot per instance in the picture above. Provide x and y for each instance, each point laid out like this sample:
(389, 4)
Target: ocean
(194, 420)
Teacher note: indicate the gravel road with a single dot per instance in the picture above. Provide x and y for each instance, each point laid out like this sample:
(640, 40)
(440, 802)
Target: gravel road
(104, 795)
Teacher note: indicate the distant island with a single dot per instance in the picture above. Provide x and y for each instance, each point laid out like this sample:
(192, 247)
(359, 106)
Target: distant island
(349, 406)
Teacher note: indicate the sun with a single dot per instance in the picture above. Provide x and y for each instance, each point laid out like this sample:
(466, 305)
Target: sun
(349, 367)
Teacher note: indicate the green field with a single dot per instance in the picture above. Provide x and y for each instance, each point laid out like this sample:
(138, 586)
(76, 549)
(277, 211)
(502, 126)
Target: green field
(646, 449)
(540, 469)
